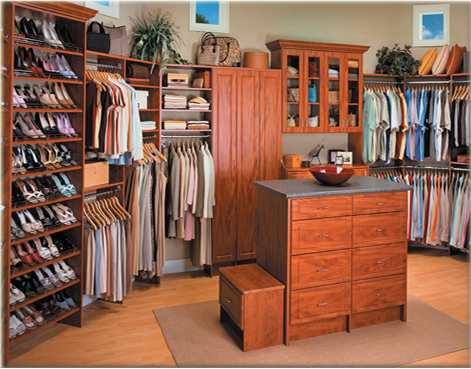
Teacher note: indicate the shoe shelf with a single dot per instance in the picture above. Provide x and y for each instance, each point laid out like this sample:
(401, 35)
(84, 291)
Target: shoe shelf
(50, 321)
(459, 163)
(24, 205)
(50, 230)
(39, 296)
(101, 187)
(46, 140)
(46, 48)
(46, 110)
(49, 171)
(52, 79)
(28, 269)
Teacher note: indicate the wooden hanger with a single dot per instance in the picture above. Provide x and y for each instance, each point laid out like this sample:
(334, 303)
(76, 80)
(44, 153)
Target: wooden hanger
(116, 202)
(91, 213)
(117, 211)
(85, 212)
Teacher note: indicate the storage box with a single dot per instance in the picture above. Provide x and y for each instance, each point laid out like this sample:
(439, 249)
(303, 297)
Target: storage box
(292, 161)
(177, 80)
(141, 98)
(256, 59)
(96, 174)
(334, 97)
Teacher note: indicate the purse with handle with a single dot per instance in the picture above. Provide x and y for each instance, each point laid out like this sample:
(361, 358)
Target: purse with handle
(99, 42)
(230, 55)
(118, 40)
(208, 54)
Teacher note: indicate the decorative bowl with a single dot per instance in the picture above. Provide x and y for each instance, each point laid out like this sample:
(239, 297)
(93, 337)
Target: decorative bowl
(331, 175)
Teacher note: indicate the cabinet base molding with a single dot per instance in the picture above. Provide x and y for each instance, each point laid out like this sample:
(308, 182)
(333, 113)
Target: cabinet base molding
(319, 328)
(378, 316)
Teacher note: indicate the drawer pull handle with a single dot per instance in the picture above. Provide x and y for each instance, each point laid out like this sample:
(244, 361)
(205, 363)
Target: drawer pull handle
(228, 299)
(325, 303)
(380, 230)
(380, 294)
(380, 262)
(323, 270)
(323, 235)
(325, 207)
(381, 203)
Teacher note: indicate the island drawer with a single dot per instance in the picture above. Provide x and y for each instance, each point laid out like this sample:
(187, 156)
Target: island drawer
(231, 300)
(378, 293)
(321, 207)
(384, 202)
(320, 269)
(321, 235)
(379, 261)
(379, 229)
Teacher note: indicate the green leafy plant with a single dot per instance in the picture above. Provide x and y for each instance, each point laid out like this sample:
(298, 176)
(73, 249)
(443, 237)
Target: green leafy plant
(155, 39)
(397, 61)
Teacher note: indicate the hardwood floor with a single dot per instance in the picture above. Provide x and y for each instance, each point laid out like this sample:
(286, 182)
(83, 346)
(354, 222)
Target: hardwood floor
(128, 335)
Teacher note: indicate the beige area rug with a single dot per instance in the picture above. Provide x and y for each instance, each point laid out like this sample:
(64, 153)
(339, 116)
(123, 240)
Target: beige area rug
(195, 337)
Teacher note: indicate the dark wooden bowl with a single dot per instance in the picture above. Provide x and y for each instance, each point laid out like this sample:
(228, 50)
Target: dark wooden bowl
(331, 175)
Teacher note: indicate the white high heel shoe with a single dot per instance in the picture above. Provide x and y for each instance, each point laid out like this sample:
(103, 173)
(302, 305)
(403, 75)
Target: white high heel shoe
(50, 245)
(42, 251)
(61, 274)
(52, 277)
(48, 37)
(70, 272)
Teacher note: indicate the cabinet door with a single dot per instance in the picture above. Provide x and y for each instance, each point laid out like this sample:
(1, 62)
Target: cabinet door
(335, 92)
(248, 154)
(353, 64)
(270, 118)
(293, 85)
(224, 153)
(313, 94)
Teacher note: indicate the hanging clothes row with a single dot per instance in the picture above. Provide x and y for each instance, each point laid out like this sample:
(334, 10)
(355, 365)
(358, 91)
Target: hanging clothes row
(438, 212)
(113, 127)
(460, 116)
(107, 249)
(416, 125)
(190, 194)
(146, 182)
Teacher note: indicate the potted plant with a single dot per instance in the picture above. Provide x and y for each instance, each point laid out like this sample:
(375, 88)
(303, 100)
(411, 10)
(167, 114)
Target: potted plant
(396, 61)
(154, 40)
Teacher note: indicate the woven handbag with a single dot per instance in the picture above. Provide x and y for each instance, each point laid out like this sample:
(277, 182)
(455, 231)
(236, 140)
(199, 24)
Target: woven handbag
(99, 42)
(230, 55)
(118, 40)
(208, 55)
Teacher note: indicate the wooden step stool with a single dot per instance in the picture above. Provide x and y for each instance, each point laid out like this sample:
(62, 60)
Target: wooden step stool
(251, 302)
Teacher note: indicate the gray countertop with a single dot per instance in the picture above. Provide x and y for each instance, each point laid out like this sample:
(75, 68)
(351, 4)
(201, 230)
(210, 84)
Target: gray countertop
(292, 188)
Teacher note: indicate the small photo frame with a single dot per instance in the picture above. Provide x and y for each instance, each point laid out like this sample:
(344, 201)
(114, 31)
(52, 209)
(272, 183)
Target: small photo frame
(332, 155)
(347, 157)
(338, 160)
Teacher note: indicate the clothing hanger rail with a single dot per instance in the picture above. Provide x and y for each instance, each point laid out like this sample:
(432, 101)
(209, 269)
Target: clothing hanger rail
(98, 194)
(184, 136)
(461, 169)
(97, 66)
(419, 167)
(428, 83)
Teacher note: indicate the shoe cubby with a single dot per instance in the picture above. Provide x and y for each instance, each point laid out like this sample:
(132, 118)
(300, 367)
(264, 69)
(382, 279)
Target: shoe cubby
(50, 76)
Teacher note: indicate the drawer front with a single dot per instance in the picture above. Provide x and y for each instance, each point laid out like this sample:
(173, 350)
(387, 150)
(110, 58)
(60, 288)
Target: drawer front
(324, 302)
(378, 293)
(360, 172)
(231, 300)
(386, 202)
(379, 229)
(321, 235)
(321, 207)
(379, 261)
(299, 175)
(320, 269)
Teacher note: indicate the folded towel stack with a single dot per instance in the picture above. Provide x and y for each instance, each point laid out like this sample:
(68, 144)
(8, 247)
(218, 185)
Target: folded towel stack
(198, 103)
(148, 125)
(198, 124)
(174, 101)
(174, 124)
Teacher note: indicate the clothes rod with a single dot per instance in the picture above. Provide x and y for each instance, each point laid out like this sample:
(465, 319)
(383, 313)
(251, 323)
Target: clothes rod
(383, 82)
(461, 169)
(117, 189)
(428, 83)
(467, 81)
(420, 167)
(183, 136)
(393, 167)
(97, 65)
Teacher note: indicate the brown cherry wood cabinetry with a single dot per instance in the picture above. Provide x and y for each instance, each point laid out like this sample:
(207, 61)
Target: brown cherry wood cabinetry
(75, 17)
(246, 148)
(341, 257)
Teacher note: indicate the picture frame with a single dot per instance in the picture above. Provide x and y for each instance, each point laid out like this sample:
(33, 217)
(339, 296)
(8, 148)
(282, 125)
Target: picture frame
(207, 9)
(431, 25)
(338, 160)
(108, 8)
(347, 157)
(332, 155)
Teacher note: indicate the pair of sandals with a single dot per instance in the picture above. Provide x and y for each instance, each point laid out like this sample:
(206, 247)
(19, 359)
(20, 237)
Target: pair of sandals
(32, 226)
(64, 213)
(50, 281)
(64, 300)
(64, 185)
(30, 191)
(17, 328)
(16, 296)
(16, 232)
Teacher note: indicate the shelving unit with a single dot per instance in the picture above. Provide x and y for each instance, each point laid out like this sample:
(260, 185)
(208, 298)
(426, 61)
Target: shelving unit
(75, 17)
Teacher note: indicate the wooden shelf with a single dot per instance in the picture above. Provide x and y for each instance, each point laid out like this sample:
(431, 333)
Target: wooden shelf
(45, 263)
(379, 75)
(142, 86)
(353, 79)
(151, 130)
(187, 88)
(94, 188)
(334, 79)
(52, 231)
(49, 323)
(186, 130)
(352, 103)
(45, 110)
(50, 49)
(460, 75)
(316, 103)
(292, 103)
(52, 171)
(458, 163)
(58, 80)
(43, 140)
(149, 109)
(188, 110)
(313, 78)
(48, 202)
(289, 77)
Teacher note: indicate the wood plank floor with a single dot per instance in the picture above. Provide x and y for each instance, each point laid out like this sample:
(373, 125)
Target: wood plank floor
(128, 335)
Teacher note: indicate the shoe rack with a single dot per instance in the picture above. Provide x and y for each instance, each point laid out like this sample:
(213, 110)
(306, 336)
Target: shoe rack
(75, 18)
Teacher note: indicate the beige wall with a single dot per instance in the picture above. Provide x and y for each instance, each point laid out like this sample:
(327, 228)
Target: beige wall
(376, 24)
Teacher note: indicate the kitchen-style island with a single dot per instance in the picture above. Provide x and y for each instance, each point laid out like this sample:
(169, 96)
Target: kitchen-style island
(340, 251)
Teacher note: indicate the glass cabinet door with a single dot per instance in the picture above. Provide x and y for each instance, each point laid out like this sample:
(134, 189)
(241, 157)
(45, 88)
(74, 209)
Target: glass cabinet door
(293, 121)
(313, 98)
(354, 97)
(335, 91)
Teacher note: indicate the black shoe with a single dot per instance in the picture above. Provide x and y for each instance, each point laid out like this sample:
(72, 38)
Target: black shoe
(32, 27)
